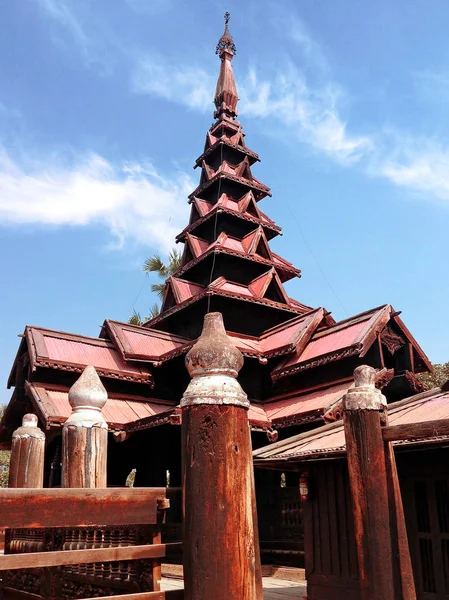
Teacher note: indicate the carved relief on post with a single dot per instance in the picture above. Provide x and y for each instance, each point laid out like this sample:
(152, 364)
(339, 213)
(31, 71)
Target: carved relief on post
(85, 434)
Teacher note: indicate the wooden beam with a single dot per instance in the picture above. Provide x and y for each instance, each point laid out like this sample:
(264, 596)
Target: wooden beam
(75, 507)
(411, 431)
(169, 595)
(38, 560)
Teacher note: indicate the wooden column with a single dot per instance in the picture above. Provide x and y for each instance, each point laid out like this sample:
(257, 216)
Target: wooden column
(220, 540)
(26, 467)
(85, 434)
(368, 482)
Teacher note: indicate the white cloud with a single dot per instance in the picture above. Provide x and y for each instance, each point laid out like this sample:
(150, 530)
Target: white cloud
(59, 11)
(311, 115)
(424, 170)
(188, 85)
(133, 201)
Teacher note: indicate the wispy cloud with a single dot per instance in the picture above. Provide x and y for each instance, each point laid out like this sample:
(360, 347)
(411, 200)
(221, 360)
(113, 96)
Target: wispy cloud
(296, 30)
(60, 11)
(188, 85)
(422, 168)
(311, 115)
(133, 201)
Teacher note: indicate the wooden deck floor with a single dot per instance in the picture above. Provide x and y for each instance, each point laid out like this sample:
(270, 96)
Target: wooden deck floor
(275, 589)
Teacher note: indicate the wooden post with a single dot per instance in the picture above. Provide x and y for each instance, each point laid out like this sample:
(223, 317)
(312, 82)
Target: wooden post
(368, 482)
(85, 434)
(403, 571)
(26, 467)
(220, 543)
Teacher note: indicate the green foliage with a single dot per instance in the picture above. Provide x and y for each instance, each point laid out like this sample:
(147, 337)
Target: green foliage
(154, 311)
(135, 318)
(436, 379)
(131, 478)
(163, 271)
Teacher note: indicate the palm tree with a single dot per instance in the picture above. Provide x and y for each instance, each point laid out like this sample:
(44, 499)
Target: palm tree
(155, 265)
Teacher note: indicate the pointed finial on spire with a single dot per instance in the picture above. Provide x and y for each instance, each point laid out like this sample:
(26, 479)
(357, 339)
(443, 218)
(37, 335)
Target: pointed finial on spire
(226, 97)
(226, 43)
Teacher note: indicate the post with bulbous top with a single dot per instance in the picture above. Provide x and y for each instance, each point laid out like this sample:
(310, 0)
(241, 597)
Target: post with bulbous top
(221, 546)
(85, 434)
(26, 466)
(362, 408)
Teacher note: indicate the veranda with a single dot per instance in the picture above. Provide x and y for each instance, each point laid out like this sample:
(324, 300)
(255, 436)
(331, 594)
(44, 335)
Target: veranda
(85, 540)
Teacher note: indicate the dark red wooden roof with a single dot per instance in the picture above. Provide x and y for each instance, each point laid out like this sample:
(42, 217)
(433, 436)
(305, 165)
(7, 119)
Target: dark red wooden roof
(329, 440)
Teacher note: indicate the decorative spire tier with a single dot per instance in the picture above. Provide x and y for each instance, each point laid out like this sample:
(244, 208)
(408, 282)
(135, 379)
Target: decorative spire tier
(228, 265)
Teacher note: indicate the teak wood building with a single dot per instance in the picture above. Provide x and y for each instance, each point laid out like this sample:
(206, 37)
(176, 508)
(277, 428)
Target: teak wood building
(298, 360)
(330, 543)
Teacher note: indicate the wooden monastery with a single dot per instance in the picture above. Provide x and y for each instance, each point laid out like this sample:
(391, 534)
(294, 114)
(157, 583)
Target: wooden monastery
(298, 363)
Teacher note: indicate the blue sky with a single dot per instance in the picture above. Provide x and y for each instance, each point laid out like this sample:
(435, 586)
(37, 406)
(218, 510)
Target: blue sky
(104, 106)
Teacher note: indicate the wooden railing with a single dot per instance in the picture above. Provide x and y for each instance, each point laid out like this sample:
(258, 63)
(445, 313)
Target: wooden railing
(81, 508)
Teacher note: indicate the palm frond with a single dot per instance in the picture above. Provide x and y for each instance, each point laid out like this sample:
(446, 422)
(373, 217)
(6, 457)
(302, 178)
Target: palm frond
(154, 310)
(174, 261)
(158, 289)
(135, 318)
(155, 265)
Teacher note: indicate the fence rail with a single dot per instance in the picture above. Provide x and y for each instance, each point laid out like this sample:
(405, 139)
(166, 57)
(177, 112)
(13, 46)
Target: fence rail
(411, 431)
(81, 507)
(59, 558)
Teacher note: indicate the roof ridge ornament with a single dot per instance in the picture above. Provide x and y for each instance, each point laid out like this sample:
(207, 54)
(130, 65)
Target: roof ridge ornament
(226, 43)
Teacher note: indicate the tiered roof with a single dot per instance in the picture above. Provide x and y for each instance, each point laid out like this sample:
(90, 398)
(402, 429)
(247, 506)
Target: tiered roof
(236, 228)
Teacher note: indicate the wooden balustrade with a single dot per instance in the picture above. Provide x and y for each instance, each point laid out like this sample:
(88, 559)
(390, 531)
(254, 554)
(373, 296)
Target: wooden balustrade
(98, 539)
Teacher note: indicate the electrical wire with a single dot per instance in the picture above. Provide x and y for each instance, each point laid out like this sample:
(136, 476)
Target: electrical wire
(326, 279)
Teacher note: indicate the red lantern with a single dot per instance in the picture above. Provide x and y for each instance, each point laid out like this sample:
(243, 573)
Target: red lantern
(304, 487)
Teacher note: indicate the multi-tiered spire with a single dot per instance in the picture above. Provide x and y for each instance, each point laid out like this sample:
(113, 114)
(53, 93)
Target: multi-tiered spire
(227, 264)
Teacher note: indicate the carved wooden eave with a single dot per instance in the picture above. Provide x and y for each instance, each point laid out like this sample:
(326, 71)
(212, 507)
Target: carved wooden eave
(217, 142)
(271, 230)
(260, 191)
(41, 356)
(285, 270)
(370, 322)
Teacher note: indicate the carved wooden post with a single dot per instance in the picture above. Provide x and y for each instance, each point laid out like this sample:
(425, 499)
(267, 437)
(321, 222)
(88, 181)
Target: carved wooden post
(85, 434)
(220, 529)
(26, 467)
(368, 481)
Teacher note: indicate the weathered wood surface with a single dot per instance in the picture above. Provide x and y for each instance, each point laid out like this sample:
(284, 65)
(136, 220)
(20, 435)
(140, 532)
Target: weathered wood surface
(85, 434)
(33, 560)
(403, 572)
(84, 456)
(26, 467)
(219, 528)
(72, 507)
(220, 524)
(368, 482)
(410, 431)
